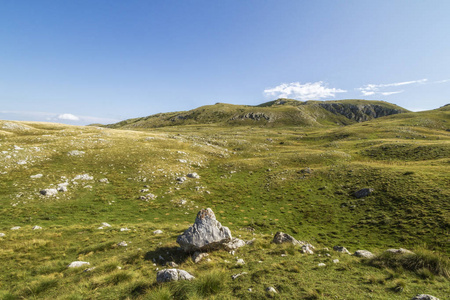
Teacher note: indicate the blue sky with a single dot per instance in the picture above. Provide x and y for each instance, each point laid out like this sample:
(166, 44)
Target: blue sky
(82, 62)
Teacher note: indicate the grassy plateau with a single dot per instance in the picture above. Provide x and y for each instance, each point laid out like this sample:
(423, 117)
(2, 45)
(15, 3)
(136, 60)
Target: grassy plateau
(257, 179)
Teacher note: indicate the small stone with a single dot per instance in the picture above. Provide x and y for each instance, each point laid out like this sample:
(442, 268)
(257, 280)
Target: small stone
(122, 244)
(364, 253)
(237, 275)
(198, 256)
(16, 228)
(341, 249)
(181, 179)
(75, 153)
(308, 249)
(157, 232)
(104, 180)
(77, 264)
(321, 265)
(36, 176)
(281, 237)
(271, 289)
(2, 234)
(363, 193)
(193, 175)
(335, 261)
(49, 192)
(240, 262)
(36, 227)
(167, 275)
(400, 251)
(104, 224)
(84, 177)
(172, 264)
(250, 290)
(89, 269)
(124, 229)
(424, 297)
(234, 244)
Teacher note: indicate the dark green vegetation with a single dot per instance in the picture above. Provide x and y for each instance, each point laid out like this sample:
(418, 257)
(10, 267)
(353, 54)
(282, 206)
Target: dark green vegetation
(258, 180)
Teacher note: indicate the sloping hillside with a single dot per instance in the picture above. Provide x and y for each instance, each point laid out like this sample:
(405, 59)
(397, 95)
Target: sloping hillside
(276, 113)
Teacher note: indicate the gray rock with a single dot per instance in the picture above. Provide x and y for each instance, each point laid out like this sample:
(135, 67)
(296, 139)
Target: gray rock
(271, 289)
(77, 264)
(75, 153)
(15, 228)
(104, 224)
(341, 249)
(363, 193)
(193, 175)
(172, 264)
(49, 192)
(364, 253)
(122, 244)
(181, 179)
(2, 234)
(84, 177)
(308, 249)
(124, 229)
(238, 275)
(167, 275)
(104, 180)
(198, 256)
(36, 176)
(89, 269)
(424, 297)
(157, 232)
(36, 227)
(335, 261)
(281, 238)
(400, 251)
(205, 234)
(240, 262)
(234, 244)
(321, 265)
(62, 187)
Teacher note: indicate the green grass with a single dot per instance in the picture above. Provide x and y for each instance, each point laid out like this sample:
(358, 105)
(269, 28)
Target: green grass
(258, 180)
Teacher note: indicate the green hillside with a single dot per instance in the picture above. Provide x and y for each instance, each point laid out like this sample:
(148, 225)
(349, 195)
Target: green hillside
(281, 112)
(258, 180)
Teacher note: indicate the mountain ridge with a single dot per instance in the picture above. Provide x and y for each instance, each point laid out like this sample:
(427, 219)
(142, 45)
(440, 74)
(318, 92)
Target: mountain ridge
(278, 112)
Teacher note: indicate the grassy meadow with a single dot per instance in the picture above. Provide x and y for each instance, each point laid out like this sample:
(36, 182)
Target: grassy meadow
(257, 180)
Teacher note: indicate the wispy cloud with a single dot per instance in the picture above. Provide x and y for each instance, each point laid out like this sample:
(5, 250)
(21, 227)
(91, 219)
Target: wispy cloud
(373, 89)
(307, 91)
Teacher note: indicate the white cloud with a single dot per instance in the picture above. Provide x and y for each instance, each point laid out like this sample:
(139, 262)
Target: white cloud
(68, 117)
(307, 91)
(372, 89)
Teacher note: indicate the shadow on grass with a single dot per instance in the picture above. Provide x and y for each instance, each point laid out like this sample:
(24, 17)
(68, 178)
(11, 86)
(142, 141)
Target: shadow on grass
(166, 254)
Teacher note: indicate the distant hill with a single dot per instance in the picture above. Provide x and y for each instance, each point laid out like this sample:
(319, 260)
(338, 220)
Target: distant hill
(279, 112)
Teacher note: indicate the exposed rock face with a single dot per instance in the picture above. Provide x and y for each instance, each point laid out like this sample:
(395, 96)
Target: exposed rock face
(364, 253)
(173, 275)
(206, 234)
(255, 116)
(424, 297)
(359, 113)
(363, 193)
(281, 237)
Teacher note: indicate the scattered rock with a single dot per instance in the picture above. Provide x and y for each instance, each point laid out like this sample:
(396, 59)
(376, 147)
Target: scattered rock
(104, 224)
(172, 264)
(198, 256)
(424, 297)
(234, 244)
(193, 175)
(36, 227)
(181, 179)
(84, 177)
(205, 234)
(122, 244)
(237, 275)
(62, 187)
(400, 251)
(281, 238)
(75, 153)
(16, 228)
(167, 275)
(364, 253)
(335, 261)
(240, 262)
(157, 232)
(124, 229)
(321, 265)
(36, 176)
(341, 249)
(148, 197)
(363, 193)
(271, 289)
(103, 180)
(89, 269)
(308, 249)
(49, 192)
(77, 264)
(2, 234)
